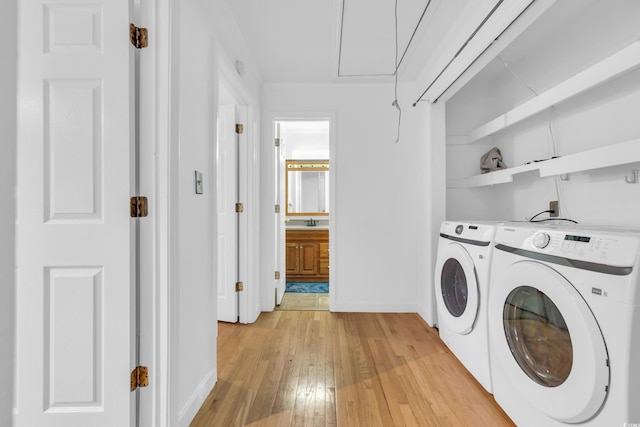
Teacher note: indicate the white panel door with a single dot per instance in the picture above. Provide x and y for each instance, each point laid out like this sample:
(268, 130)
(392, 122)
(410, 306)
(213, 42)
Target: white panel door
(227, 217)
(280, 216)
(73, 235)
(243, 191)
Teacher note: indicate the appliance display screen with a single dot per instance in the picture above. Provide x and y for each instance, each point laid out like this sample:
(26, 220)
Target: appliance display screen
(577, 238)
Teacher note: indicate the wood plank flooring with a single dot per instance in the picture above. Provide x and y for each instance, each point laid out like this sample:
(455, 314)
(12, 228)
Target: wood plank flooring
(303, 301)
(317, 368)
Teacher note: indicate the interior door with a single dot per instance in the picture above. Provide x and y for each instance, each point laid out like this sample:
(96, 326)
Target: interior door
(227, 217)
(280, 230)
(74, 240)
(250, 206)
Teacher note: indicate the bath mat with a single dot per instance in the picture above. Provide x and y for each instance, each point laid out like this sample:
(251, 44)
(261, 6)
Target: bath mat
(308, 287)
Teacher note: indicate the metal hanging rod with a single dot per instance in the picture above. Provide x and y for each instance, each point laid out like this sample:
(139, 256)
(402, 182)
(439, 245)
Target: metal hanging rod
(464, 45)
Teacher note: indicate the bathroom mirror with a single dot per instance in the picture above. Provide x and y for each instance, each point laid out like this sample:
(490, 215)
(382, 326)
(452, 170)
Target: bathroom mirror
(307, 187)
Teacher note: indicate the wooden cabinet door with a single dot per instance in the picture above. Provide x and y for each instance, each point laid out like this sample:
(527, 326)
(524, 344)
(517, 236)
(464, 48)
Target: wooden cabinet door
(308, 261)
(293, 258)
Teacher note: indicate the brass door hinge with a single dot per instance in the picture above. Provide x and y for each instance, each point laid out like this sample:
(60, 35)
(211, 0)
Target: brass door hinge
(239, 207)
(277, 275)
(239, 128)
(138, 207)
(139, 377)
(277, 142)
(239, 286)
(139, 36)
(277, 208)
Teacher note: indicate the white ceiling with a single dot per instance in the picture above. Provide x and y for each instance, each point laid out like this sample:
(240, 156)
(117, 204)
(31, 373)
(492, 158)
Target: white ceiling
(328, 41)
(305, 138)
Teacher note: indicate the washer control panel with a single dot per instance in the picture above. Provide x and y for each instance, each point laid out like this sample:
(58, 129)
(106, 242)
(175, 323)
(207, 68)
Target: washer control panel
(614, 248)
(478, 231)
(540, 240)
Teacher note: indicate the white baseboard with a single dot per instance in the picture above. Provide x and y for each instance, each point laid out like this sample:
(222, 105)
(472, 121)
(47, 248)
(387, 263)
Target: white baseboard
(266, 309)
(193, 405)
(427, 316)
(374, 308)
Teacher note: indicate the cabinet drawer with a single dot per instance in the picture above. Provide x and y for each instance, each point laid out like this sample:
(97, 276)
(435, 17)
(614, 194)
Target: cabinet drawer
(324, 250)
(324, 267)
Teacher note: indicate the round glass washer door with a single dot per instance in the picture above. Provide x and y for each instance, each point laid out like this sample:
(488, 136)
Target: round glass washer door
(547, 342)
(456, 289)
(538, 336)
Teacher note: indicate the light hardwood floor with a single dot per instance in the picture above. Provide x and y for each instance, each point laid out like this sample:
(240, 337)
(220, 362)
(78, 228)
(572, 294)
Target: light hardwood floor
(303, 301)
(317, 368)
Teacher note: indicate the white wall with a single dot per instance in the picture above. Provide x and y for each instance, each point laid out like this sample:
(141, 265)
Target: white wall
(310, 143)
(380, 217)
(602, 116)
(206, 36)
(430, 121)
(197, 291)
(8, 60)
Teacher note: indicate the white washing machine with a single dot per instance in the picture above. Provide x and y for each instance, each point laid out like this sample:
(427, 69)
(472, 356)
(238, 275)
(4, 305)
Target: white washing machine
(564, 325)
(461, 288)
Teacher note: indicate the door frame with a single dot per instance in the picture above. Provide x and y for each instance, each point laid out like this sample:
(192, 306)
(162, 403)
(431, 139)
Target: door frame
(8, 159)
(159, 93)
(164, 88)
(248, 185)
(269, 234)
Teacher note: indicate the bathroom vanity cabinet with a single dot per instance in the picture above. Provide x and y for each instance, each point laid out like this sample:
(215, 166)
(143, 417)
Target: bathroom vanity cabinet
(307, 255)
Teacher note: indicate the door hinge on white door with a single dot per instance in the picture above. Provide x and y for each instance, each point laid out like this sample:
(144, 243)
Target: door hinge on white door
(138, 207)
(239, 207)
(277, 208)
(138, 36)
(277, 275)
(139, 377)
(277, 142)
(239, 128)
(239, 286)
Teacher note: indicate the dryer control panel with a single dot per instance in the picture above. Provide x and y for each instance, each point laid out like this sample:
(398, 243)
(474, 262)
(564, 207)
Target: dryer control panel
(613, 248)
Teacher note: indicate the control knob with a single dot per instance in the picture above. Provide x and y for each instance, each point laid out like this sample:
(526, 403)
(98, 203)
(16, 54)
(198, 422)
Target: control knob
(541, 240)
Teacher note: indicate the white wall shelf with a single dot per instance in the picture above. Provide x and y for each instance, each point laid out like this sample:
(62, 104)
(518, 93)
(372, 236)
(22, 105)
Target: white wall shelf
(615, 65)
(611, 155)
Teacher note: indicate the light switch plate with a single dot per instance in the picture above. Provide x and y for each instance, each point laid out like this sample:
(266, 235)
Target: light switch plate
(198, 182)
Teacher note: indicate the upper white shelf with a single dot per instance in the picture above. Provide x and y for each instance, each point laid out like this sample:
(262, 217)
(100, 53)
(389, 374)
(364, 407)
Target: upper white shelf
(610, 155)
(619, 63)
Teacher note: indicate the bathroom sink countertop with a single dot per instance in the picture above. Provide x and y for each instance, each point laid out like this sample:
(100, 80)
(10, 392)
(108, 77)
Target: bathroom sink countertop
(307, 227)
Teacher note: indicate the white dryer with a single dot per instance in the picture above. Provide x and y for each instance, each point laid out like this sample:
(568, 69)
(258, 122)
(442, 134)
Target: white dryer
(564, 325)
(461, 288)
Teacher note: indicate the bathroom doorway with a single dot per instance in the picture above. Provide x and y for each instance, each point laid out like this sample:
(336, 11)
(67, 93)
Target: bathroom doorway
(303, 189)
